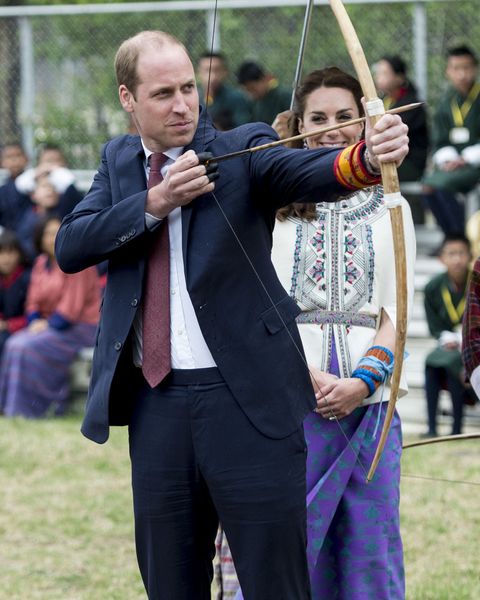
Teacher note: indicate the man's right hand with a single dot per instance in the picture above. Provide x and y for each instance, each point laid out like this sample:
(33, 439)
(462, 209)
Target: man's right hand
(185, 180)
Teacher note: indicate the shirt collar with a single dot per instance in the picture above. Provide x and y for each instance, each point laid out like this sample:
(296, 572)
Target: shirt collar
(172, 153)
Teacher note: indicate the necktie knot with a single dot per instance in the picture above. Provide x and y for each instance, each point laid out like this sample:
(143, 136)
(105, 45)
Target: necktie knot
(157, 160)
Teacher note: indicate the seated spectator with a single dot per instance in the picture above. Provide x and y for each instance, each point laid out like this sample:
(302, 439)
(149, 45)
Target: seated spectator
(226, 106)
(13, 203)
(268, 97)
(14, 280)
(62, 312)
(392, 81)
(45, 200)
(456, 142)
(471, 331)
(445, 297)
(51, 162)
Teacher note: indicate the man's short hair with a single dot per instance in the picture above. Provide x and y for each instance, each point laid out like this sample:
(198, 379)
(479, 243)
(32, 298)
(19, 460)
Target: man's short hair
(453, 238)
(127, 55)
(462, 51)
(13, 144)
(207, 54)
(249, 71)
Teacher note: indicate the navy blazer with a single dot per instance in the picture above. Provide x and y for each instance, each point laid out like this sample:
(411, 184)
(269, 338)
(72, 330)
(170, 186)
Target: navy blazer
(249, 326)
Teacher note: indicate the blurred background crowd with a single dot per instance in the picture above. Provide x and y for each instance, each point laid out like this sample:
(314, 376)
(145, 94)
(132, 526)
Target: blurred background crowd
(57, 107)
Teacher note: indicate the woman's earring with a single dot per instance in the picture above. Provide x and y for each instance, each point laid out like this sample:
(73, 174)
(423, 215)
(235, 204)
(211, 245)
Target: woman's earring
(305, 144)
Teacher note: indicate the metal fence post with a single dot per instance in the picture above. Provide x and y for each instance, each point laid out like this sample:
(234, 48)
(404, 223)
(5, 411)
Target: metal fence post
(212, 40)
(420, 48)
(27, 84)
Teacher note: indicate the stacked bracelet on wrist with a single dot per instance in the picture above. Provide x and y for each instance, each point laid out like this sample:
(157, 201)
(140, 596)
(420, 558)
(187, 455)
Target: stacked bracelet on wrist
(374, 368)
(350, 168)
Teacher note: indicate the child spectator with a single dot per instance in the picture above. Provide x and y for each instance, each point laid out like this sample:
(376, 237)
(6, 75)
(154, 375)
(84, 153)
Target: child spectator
(14, 279)
(62, 311)
(45, 200)
(445, 297)
(13, 203)
(51, 163)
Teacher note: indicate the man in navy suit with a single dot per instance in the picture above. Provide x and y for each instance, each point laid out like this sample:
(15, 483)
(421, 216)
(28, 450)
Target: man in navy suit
(220, 437)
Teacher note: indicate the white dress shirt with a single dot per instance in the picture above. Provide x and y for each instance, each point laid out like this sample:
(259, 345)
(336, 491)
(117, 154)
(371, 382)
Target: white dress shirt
(188, 347)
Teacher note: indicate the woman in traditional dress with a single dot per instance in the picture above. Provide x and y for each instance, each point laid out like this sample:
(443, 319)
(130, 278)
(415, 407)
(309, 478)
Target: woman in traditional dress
(62, 311)
(337, 262)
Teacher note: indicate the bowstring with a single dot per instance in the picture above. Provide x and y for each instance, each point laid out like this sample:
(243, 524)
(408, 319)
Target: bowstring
(441, 479)
(332, 417)
(212, 43)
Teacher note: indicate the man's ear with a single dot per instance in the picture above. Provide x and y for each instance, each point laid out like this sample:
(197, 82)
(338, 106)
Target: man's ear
(126, 98)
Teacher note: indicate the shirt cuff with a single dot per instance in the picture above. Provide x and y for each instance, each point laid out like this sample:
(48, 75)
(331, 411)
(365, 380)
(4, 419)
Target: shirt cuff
(151, 221)
(475, 380)
(58, 322)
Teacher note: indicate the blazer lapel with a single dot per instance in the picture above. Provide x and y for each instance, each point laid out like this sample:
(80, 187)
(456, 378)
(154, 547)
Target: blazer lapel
(205, 134)
(130, 168)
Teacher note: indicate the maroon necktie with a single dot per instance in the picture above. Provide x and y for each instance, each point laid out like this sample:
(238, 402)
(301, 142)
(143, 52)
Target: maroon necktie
(156, 298)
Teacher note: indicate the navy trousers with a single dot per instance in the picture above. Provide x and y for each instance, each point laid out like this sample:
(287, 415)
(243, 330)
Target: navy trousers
(197, 459)
(435, 377)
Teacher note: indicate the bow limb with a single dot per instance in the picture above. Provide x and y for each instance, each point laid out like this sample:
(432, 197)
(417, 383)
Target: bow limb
(391, 188)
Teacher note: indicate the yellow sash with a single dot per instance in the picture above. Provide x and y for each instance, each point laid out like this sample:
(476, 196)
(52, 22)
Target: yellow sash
(460, 113)
(455, 313)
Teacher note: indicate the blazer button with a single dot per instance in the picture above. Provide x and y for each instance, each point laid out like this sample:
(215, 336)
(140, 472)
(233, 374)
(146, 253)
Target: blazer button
(123, 238)
(118, 346)
(134, 302)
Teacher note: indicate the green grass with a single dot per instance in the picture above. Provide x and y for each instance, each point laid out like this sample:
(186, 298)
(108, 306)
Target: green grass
(66, 528)
(441, 522)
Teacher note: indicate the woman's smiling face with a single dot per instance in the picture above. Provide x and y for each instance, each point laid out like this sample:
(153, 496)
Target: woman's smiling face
(327, 106)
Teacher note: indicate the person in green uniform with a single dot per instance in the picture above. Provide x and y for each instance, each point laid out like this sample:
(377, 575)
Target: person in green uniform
(444, 303)
(268, 97)
(456, 136)
(226, 106)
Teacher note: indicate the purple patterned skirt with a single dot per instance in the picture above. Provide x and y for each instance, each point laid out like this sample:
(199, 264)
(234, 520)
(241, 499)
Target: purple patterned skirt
(354, 545)
(35, 373)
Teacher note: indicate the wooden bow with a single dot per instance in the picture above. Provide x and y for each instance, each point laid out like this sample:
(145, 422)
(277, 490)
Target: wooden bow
(391, 188)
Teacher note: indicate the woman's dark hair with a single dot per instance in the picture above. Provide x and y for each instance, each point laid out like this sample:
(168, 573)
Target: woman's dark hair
(9, 241)
(330, 77)
(398, 65)
(40, 230)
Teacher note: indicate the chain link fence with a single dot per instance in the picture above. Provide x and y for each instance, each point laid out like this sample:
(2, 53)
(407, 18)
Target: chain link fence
(56, 70)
